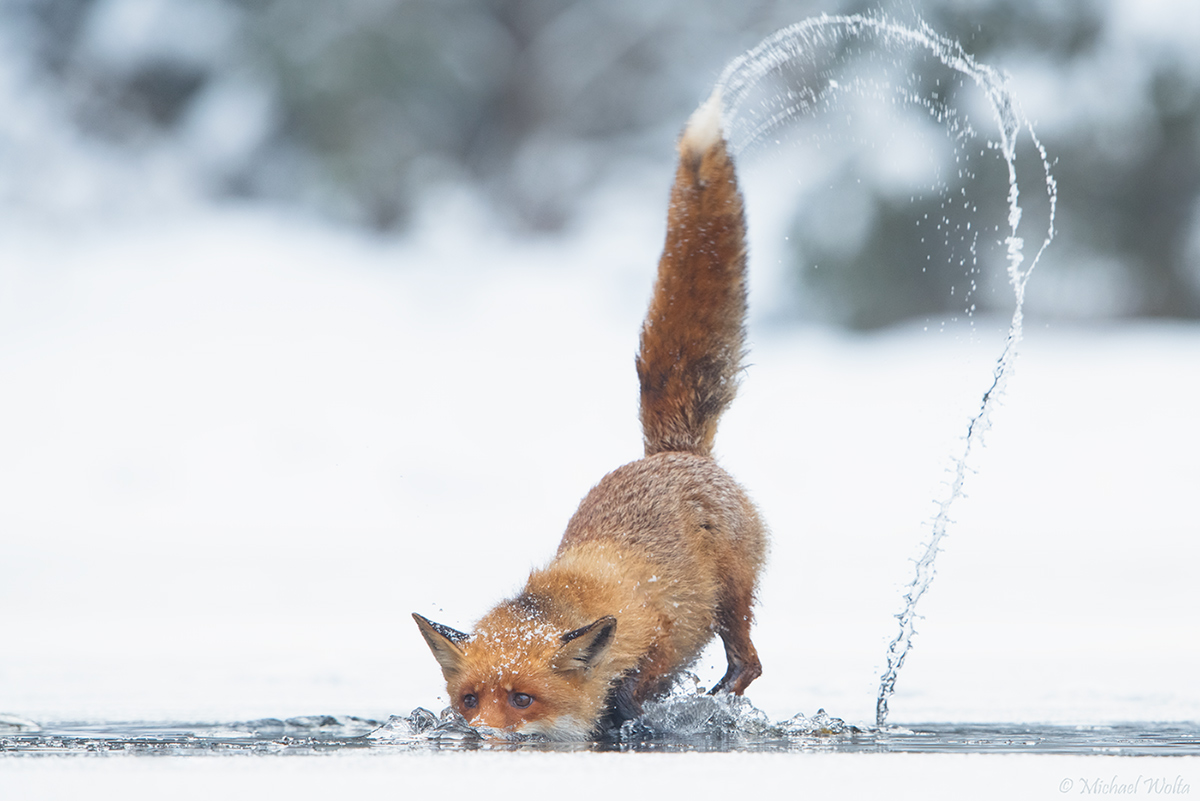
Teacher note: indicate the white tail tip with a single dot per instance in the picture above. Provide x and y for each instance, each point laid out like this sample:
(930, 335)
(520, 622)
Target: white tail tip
(704, 126)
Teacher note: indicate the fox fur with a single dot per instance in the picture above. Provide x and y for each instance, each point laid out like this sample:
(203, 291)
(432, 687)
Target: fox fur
(664, 552)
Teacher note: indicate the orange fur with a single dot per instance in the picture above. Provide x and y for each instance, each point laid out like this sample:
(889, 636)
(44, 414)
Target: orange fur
(692, 340)
(664, 552)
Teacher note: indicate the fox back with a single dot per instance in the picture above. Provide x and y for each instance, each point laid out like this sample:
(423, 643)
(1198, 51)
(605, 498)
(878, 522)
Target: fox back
(662, 553)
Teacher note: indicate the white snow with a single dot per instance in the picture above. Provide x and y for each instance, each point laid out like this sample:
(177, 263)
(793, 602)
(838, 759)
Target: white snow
(519, 775)
(239, 448)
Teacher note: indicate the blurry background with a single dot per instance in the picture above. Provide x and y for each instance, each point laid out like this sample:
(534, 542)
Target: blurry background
(314, 314)
(359, 110)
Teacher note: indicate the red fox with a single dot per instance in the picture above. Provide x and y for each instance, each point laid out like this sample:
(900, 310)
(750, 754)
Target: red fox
(664, 552)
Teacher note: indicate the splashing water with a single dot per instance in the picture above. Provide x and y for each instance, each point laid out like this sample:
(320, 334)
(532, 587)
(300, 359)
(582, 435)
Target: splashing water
(691, 719)
(803, 72)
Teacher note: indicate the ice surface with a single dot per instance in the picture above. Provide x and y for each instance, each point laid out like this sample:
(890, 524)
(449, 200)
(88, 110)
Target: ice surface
(240, 448)
(588, 775)
(238, 545)
(675, 725)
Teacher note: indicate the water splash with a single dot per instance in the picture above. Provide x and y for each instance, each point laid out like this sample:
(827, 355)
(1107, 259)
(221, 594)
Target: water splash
(687, 718)
(801, 71)
(424, 726)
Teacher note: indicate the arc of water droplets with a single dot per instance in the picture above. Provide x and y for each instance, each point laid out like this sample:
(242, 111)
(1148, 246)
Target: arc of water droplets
(795, 43)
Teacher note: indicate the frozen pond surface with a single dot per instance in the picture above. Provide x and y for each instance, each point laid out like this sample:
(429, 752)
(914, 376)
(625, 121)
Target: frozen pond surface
(261, 490)
(423, 732)
(221, 560)
(286, 738)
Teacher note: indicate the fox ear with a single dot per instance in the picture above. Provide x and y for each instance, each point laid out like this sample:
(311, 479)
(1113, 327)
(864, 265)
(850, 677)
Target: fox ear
(582, 648)
(444, 642)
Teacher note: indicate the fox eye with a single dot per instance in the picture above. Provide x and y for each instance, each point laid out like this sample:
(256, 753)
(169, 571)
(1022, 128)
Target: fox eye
(520, 700)
(470, 701)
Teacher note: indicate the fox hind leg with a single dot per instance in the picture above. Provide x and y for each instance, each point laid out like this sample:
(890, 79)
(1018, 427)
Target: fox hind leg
(733, 624)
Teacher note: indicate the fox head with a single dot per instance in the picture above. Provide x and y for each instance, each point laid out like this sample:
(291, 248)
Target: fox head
(524, 676)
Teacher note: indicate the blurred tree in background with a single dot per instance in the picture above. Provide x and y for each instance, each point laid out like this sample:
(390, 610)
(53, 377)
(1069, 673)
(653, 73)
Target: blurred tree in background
(356, 107)
(1124, 133)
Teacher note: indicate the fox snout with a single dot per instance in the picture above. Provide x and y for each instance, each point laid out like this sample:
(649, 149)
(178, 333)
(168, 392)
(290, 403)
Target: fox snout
(516, 676)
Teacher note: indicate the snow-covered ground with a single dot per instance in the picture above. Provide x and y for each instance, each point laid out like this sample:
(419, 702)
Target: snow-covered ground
(599, 776)
(238, 448)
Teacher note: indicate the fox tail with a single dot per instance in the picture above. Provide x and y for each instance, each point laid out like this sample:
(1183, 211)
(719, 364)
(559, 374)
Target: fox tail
(692, 341)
